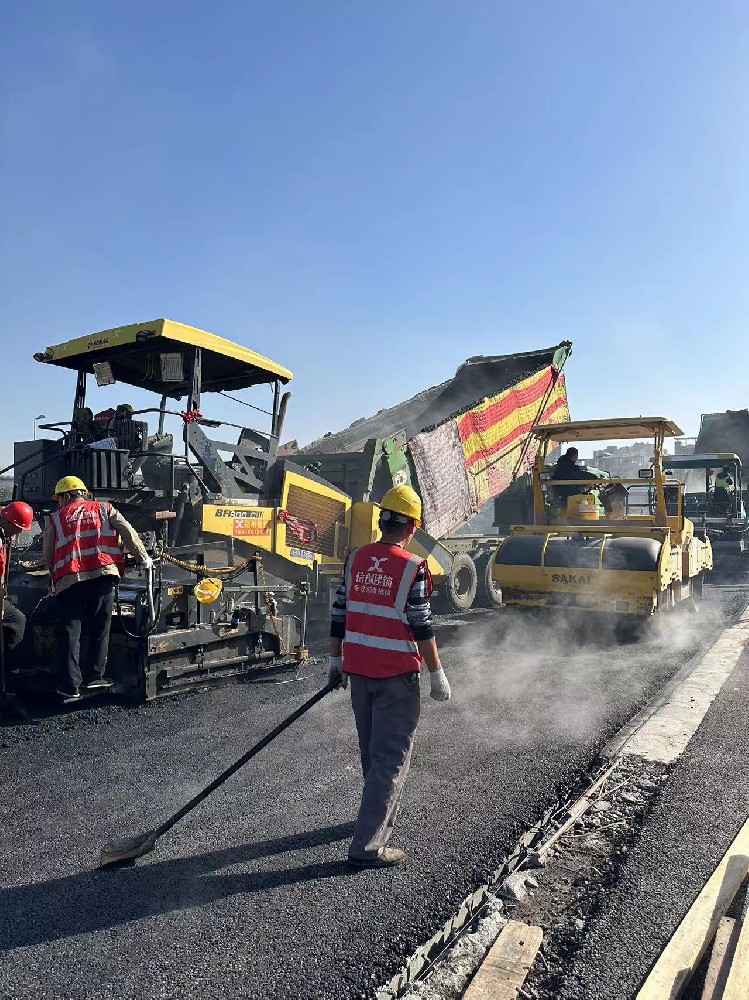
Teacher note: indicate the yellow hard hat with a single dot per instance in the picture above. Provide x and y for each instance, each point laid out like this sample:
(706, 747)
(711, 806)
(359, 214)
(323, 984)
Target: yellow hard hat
(68, 484)
(403, 500)
(208, 590)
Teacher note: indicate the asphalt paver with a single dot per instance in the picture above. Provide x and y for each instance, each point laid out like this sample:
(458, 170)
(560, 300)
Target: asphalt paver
(698, 813)
(250, 896)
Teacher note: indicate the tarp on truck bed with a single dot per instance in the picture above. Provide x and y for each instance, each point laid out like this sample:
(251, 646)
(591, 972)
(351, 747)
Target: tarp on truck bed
(466, 437)
(476, 379)
(475, 455)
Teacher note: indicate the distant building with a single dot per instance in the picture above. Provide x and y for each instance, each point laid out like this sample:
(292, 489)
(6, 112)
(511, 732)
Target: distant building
(624, 461)
(684, 446)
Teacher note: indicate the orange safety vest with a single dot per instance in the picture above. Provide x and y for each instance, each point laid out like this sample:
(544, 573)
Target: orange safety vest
(84, 539)
(378, 640)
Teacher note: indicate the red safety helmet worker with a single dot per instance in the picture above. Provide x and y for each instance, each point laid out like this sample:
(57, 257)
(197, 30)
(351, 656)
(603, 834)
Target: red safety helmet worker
(18, 514)
(15, 517)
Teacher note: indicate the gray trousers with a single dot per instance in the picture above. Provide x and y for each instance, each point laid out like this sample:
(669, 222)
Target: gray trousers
(386, 711)
(14, 625)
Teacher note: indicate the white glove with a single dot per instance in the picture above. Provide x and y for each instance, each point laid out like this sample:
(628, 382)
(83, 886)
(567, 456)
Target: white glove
(147, 563)
(335, 672)
(440, 687)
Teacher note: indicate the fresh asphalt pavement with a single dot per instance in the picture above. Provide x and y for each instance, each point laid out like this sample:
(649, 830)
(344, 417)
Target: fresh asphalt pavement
(699, 810)
(250, 896)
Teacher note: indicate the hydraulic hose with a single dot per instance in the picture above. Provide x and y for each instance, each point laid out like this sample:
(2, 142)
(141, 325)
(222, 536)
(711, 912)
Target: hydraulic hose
(154, 606)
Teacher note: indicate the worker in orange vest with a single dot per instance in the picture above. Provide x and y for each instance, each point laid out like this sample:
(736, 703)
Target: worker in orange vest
(15, 517)
(82, 552)
(381, 631)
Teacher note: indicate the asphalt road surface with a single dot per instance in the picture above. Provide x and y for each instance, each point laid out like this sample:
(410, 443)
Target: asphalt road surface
(250, 896)
(699, 811)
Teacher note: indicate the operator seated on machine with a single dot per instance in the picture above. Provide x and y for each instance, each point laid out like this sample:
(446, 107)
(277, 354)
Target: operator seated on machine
(567, 468)
(723, 492)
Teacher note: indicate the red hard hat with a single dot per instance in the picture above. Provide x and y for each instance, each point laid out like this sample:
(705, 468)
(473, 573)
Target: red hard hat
(19, 514)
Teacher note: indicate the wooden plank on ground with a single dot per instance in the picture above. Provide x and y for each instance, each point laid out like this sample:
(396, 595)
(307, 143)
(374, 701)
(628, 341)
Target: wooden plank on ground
(737, 987)
(721, 957)
(507, 963)
(682, 954)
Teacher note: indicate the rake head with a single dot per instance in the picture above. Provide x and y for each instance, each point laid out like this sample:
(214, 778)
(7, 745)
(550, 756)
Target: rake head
(124, 850)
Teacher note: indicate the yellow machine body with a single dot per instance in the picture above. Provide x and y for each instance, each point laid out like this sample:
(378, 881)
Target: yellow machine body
(310, 526)
(581, 507)
(635, 564)
(360, 527)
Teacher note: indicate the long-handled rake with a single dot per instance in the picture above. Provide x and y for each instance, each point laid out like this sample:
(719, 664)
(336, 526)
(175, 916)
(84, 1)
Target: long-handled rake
(134, 847)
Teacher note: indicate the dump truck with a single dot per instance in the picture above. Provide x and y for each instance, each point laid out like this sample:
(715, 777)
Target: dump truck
(459, 444)
(211, 501)
(724, 432)
(721, 512)
(644, 556)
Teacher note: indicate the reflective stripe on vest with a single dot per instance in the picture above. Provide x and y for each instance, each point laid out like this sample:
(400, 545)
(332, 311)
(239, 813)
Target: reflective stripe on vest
(378, 610)
(70, 556)
(378, 640)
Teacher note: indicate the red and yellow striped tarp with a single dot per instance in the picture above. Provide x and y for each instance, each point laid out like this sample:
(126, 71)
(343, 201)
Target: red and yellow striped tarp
(473, 457)
(494, 431)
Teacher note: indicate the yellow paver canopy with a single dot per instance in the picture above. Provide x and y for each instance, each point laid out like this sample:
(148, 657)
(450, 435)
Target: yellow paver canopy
(133, 353)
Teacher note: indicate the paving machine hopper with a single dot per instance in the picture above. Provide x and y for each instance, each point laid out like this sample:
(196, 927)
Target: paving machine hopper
(643, 556)
(211, 501)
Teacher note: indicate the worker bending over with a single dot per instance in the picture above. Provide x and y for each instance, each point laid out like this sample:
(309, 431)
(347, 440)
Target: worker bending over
(84, 558)
(14, 518)
(382, 620)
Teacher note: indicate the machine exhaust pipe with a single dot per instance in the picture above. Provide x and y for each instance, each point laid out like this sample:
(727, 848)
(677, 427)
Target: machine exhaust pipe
(281, 416)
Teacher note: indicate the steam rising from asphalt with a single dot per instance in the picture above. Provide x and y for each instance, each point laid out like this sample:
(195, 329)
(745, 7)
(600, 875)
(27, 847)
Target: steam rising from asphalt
(522, 677)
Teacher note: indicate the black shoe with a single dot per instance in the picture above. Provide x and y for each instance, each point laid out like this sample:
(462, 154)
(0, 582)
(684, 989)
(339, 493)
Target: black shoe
(99, 684)
(67, 696)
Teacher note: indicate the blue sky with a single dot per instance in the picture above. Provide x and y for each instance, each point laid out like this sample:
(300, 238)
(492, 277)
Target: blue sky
(371, 193)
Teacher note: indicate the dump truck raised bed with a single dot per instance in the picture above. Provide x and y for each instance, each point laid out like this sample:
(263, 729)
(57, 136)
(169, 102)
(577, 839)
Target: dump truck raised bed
(643, 557)
(459, 444)
(724, 432)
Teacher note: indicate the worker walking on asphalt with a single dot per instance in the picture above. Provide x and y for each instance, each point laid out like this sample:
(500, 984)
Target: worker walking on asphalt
(383, 622)
(85, 561)
(14, 518)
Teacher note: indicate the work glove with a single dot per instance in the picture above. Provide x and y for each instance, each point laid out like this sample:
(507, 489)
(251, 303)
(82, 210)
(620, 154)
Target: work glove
(147, 563)
(440, 687)
(335, 672)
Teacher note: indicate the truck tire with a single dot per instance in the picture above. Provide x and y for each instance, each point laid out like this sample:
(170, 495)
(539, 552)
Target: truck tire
(488, 593)
(459, 589)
